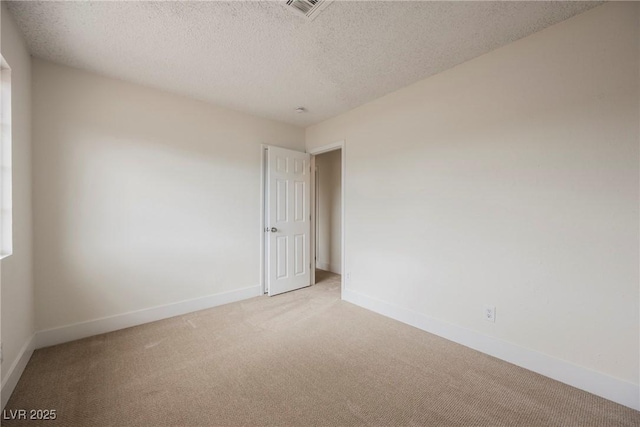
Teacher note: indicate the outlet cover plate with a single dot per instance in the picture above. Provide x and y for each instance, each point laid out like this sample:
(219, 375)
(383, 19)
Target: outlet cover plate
(490, 313)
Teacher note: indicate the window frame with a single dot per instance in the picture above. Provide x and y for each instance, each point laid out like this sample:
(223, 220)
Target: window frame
(6, 172)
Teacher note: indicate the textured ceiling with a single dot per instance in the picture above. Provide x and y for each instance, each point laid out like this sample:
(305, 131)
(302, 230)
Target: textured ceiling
(261, 58)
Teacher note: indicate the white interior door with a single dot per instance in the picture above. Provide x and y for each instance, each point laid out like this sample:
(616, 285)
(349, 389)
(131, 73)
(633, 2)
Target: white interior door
(288, 222)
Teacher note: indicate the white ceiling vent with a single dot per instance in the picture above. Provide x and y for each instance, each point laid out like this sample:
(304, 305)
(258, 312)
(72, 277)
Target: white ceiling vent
(308, 8)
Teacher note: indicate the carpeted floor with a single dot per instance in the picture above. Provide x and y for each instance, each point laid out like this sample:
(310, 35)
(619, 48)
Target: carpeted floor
(305, 358)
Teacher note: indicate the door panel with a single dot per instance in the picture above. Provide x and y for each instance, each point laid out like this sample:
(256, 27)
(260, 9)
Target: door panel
(288, 220)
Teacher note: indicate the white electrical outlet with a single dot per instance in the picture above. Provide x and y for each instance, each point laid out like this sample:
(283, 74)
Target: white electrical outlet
(490, 313)
(348, 275)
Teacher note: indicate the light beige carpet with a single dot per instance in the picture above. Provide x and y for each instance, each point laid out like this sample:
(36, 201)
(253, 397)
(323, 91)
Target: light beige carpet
(305, 358)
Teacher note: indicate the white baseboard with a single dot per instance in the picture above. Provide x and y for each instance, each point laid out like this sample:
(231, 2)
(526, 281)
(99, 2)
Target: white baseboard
(335, 269)
(16, 370)
(619, 391)
(328, 267)
(323, 266)
(103, 325)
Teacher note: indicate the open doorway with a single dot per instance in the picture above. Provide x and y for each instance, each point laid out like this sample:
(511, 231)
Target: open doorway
(328, 214)
(328, 208)
(286, 259)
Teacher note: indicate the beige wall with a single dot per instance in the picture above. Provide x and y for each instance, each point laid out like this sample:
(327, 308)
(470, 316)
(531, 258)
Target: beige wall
(17, 283)
(329, 247)
(510, 180)
(142, 198)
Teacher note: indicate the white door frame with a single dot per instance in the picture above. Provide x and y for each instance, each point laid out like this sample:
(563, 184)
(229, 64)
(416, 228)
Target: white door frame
(338, 145)
(263, 213)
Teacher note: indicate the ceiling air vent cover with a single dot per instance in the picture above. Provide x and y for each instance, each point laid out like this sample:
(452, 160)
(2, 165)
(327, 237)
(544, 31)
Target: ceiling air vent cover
(308, 8)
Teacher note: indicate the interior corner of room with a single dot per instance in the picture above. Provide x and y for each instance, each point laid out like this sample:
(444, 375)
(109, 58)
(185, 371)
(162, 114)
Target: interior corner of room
(494, 203)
